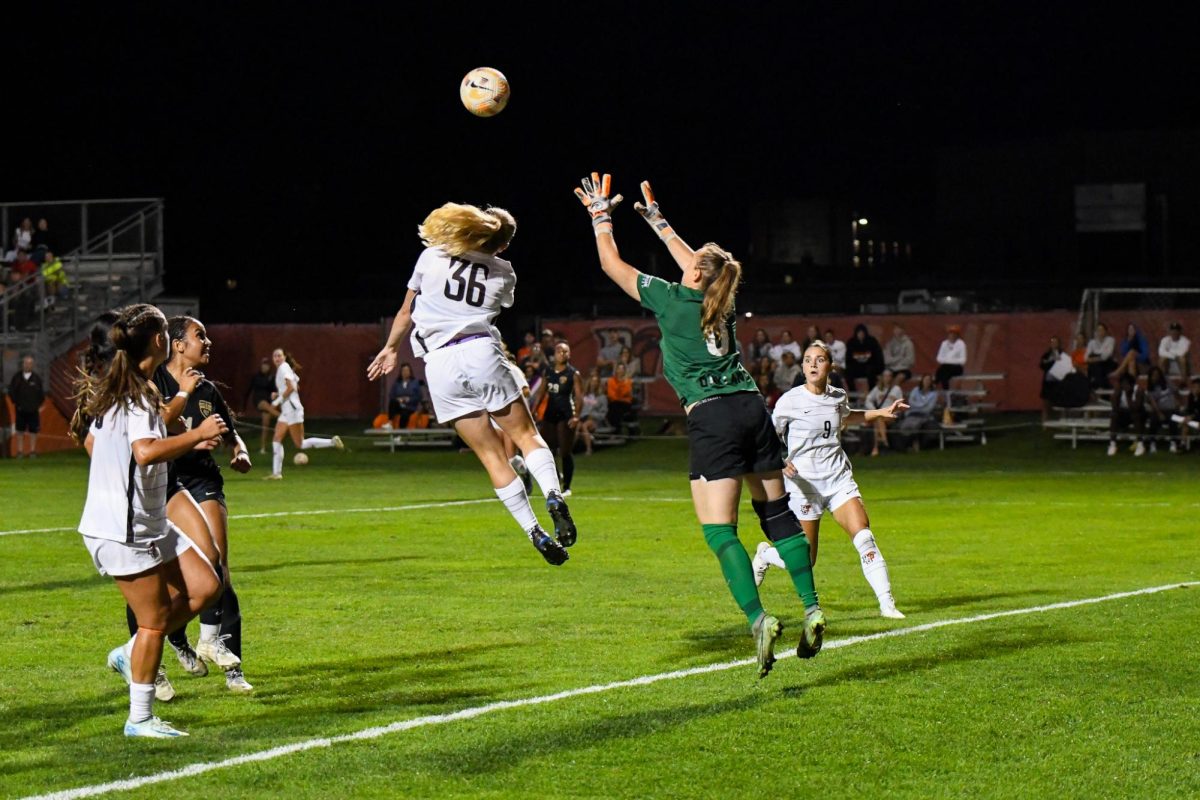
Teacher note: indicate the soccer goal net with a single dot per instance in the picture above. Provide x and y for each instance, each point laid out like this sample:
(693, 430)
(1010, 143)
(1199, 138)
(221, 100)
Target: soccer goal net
(1152, 310)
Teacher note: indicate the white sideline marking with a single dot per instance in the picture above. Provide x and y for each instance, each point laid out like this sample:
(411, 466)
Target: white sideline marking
(477, 711)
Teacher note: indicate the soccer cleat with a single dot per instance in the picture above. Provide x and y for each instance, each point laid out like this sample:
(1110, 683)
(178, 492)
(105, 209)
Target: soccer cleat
(214, 651)
(1174, 447)
(1140, 449)
(1112, 448)
(235, 681)
(191, 663)
(153, 728)
(118, 662)
(337, 445)
(891, 612)
(552, 551)
(163, 690)
(566, 492)
(760, 563)
(813, 635)
(564, 526)
(274, 476)
(767, 630)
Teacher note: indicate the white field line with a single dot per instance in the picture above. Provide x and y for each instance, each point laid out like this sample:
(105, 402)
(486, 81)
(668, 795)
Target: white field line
(957, 501)
(478, 711)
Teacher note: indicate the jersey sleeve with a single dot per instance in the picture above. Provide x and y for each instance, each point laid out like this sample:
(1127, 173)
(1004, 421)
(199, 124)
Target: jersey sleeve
(142, 424)
(782, 415)
(508, 292)
(414, 282)
(653, 292)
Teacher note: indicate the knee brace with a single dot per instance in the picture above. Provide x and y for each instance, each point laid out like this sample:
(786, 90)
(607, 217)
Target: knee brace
(776, 519)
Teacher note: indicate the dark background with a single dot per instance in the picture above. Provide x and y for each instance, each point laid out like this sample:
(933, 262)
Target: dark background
(299, 145)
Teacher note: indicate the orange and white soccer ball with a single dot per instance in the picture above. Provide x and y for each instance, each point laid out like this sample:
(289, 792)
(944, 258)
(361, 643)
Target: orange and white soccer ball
(484, 91)
(300, 459)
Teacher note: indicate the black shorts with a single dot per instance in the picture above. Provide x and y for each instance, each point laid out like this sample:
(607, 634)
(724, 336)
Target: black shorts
(731, 435)
(28, 422)
(554, 415)
(203, 488)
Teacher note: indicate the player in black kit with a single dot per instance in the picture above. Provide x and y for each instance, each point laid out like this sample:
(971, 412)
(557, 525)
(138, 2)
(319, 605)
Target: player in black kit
(563, 387)
(221, 625)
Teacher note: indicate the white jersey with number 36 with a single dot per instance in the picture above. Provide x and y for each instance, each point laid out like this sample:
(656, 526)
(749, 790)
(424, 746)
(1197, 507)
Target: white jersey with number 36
(810, 426)
(457, 296)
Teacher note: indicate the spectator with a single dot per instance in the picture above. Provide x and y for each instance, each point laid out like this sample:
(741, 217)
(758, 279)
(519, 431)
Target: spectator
(1162, 404)
(769, 390)
(837, 350)
(1100, 357)
(899, 354)
(533, 372)
(922, 411)
(1055, 365)
(786, 345)
(405, 397)
(55, 277)
(1191, 411)
(619, 390)
(524, 351)
(1134, 352)
(864, 358)
(419, 418)
(811, 334)
(593, 413)
(633, 366)
(610, 353)
(258, 394)
(23, 266)
(1173, 352)
(882, 395)
(1079, 353)
(1128, 410)
(42, 244)
(759, 348)
(786, 372)
(28, 397)
(951, 357)
(547, 341)
(23, 235)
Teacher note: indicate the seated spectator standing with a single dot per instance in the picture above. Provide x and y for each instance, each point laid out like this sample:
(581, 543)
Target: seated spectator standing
(619, 390)
(1128, 410)
(864, 358)
(28, 397)
(951, 357)
(609, 353)
(922, 412)
(405, 397)
(1162, 403)
(1173, 352)
(786, 345)
(1100, 361)
(899, 354)
(1055, 365)
(883, 394)
(785, 374)
(1134, 352)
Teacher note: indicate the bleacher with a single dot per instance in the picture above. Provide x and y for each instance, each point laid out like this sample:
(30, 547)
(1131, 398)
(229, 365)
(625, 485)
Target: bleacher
(968, 403)
(1091, 422)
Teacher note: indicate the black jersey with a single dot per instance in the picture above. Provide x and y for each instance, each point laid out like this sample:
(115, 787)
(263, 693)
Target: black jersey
(560, 393)
(261, 387)
(204, 401)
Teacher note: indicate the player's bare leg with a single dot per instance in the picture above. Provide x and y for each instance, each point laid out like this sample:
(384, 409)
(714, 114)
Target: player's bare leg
(516, 421)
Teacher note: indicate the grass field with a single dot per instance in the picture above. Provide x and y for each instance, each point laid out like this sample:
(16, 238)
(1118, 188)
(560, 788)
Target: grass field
(363, 615)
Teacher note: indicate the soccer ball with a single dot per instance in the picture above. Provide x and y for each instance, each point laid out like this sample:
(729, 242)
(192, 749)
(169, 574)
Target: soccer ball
(300, 459)
(484, 91)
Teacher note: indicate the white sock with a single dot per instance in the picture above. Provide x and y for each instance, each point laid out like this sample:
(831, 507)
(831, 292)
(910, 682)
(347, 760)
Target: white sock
(141, 701)
(277, 458)
(873, 566)
(209, 632)
(517, 502)
(541, 463)
(771, 555)
(315, 443)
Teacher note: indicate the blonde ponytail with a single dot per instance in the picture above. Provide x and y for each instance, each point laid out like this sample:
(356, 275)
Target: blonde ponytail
(722, 274)
(457, 228)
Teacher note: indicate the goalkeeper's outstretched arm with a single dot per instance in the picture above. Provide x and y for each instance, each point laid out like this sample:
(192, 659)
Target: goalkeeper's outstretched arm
(595, 197)
(683, 254)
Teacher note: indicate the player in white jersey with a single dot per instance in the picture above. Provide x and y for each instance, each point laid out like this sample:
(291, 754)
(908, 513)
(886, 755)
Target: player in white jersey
(291, 413)
(164, 577)
(457, 289)
(810, 419)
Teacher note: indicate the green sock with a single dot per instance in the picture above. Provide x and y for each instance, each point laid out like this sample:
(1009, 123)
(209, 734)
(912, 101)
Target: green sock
(794, 552)
(735, 566)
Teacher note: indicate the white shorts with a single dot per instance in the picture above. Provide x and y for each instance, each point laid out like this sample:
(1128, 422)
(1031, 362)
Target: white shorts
(472, 376)
(120, 558)
(810, 502)
(291, 412)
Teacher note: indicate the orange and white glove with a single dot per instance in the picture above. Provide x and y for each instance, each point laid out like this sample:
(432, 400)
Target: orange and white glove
(653, 215)
(595, 197)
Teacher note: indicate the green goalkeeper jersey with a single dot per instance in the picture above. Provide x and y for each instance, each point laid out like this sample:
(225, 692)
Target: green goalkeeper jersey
(697, 366)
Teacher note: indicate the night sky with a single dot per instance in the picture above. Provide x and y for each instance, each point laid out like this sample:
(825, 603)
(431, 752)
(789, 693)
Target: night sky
(298, 145)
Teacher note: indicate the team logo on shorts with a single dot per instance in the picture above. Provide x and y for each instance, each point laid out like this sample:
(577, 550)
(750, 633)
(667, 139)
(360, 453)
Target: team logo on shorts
(205, 408)
(806, 508)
